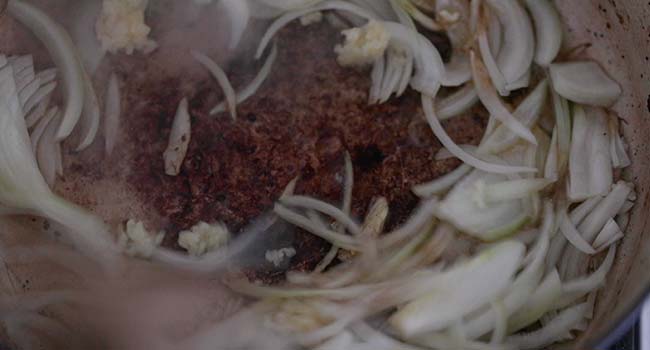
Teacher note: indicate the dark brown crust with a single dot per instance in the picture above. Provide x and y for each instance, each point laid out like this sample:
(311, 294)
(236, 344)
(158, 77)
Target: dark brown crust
(300, 123)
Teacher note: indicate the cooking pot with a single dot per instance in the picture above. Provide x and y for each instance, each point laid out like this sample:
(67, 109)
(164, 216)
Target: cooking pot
(617, 35)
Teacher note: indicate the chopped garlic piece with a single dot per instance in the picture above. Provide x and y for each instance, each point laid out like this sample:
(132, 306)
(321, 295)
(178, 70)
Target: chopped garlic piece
(121, 26)
(363, 45)
(277, 257)
(203, 238)
(136, 241)
(179, 139)
(311, 18)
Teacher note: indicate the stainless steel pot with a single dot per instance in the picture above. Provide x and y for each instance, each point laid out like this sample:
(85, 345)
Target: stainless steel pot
(619, 36)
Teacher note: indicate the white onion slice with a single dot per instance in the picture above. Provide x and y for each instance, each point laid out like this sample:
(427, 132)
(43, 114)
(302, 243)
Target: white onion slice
(254, 85)
(457, 103)
(493, 103)
(443, 183)
(28, 91)
(526, 282)
(461, 290)
(550, 167)
(35, 115)
(112, 113)
(608, 234)
(539, 303)
(222, 79)
(490, 63)
(46, 151)
(605, 210)
(516, 54)
(528, 113)
(563, 125)
(590, 164)
(584, 82)
(40, 94)
(325, 208)
(179, 139)
(58, 154)
(620, 158)
(343, 241)
(555, 330)
(238, 13)
(548, 30)
(46, 75)
(573, 236)
(448, 143)
(457, 71)
(42, 126)
(91, 115)
(63, 52)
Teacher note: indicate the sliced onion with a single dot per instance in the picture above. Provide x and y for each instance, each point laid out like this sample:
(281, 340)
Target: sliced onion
(42, 126)
(513, 189)
(584, 82)
(179, 140)
(457, 292)
(620, 158)
(294, 218)
(222, 79)
(608, 235)
(590, 164)
(63, 52)
(528, 113)
(28, 91)
(457, 71)
(457, 103)
(444, 138)
(238, 13)
(573, 236)
(563, 125)
(493, 103)
(605, 210)
(326, 208)
(540, 302)
(553, 331)
(575, 289)
(551, 166)
(526, 282)
(112, 113)
(443, 183)
(91, 115)
(490, 62)
(46, 151)
(41, 94)
(548, 30)
(254, 85)
(420, 17)
(516, 54)
(35, 115)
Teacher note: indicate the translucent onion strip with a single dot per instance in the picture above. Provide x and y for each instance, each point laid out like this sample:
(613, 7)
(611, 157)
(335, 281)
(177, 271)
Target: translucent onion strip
(179, 140)
(457, 103)
(516, 55)
(444, 138)
(222, 79)
(254, 85)
(91, 115)
(584, 82)
(443, 183)
(548, 30)
(493, 103)
(46, 153)
(63, 52)
(573, 236)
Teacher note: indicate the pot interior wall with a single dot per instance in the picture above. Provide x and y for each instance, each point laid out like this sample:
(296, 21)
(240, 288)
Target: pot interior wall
(620, 41)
